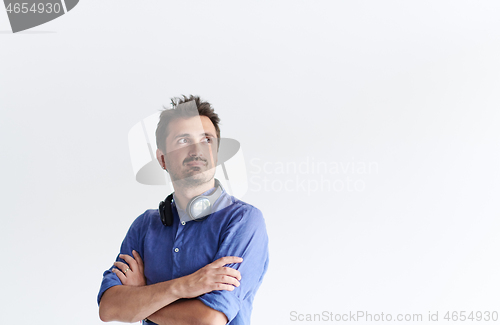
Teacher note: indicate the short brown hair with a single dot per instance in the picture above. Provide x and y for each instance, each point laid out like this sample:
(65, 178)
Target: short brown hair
(168, 115)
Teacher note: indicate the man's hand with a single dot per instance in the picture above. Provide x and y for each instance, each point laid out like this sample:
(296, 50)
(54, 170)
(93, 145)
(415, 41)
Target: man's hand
(133, 273)
(213, 276)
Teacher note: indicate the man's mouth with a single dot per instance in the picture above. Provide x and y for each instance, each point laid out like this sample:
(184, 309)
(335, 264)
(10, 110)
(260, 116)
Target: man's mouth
(196, 163)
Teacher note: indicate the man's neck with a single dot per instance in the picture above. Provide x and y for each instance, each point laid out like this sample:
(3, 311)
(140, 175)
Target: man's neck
(184, 194)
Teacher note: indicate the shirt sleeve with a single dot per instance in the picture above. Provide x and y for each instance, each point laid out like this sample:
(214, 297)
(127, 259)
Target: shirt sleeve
(246, 237)
(133, 241)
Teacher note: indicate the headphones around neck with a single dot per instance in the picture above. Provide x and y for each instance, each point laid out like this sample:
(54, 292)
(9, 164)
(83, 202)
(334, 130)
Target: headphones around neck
(197, 208)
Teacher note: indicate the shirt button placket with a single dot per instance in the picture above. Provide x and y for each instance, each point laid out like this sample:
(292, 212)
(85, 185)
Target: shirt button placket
(178, 237)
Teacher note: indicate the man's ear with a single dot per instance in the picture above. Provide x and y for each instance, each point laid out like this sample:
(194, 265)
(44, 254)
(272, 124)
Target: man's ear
(160, 156)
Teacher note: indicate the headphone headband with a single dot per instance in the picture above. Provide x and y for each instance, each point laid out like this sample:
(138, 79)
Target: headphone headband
(197, 208)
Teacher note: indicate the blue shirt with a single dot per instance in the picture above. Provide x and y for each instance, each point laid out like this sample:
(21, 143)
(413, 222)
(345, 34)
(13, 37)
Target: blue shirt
(235, 229)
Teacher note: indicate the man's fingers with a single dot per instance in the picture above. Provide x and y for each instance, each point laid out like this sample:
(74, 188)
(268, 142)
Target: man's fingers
(226, 260)
(130, 260)
(228, 280)
(138, 259)
(119, 274)
(230, 272)
(121, 266)
(222, 286)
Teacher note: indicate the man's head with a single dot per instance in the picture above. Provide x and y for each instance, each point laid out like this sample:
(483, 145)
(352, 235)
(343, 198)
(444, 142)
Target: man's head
(187, 138)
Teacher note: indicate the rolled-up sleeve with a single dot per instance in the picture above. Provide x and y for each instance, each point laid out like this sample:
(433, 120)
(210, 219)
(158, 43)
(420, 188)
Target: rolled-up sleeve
(246, 237)
(131, 241)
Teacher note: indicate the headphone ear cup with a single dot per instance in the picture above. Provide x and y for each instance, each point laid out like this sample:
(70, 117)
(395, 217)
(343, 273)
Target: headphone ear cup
(165, 209)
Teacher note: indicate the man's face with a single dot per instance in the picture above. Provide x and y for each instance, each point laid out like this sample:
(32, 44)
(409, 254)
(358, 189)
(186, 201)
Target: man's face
(191, 147)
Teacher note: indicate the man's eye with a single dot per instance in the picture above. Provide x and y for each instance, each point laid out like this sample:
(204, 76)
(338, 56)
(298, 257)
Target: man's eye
(182, 140)
(209, 140)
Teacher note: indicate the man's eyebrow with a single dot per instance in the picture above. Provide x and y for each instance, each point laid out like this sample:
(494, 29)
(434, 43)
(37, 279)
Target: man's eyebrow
(188, 135)
(182, 135)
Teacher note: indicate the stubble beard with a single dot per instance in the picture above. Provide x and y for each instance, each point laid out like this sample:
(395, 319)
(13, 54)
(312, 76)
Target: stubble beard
(193, 177)
(197, 178)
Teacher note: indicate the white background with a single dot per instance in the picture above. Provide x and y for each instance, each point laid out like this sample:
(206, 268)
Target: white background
(412, 87)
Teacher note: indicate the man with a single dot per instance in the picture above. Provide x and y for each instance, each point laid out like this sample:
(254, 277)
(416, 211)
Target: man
(171, 267)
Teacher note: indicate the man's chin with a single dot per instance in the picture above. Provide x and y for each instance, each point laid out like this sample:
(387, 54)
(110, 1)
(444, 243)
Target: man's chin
(197, 178)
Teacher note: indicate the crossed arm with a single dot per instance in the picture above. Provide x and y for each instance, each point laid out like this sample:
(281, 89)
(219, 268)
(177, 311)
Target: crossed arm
(163, 302)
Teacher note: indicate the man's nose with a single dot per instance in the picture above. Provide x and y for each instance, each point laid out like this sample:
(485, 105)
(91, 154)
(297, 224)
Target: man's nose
(195, 150)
